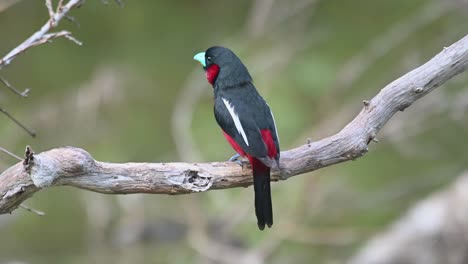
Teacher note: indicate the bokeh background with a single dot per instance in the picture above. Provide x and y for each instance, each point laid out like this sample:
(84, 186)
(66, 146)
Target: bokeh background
(133, 93)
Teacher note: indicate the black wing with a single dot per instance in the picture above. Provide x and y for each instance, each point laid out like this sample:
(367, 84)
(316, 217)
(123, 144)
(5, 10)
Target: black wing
(253, 114)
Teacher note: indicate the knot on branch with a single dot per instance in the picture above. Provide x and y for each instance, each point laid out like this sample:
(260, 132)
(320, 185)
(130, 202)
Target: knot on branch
(50, 166)
(192, 180)
(15, 191)
(357, 151)
(28, 159)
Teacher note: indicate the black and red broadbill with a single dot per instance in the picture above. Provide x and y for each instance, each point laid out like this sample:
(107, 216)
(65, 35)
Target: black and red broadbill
(246, 120)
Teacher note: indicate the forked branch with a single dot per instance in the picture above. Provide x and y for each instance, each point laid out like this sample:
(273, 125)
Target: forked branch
(42, 35)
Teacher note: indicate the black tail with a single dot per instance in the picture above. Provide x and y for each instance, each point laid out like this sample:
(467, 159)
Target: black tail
(263, 208)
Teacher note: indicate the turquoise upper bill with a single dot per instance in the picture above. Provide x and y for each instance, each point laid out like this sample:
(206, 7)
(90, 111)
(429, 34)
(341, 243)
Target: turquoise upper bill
(200, 57)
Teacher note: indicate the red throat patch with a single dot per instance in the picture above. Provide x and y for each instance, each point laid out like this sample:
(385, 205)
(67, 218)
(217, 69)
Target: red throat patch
(211, 73)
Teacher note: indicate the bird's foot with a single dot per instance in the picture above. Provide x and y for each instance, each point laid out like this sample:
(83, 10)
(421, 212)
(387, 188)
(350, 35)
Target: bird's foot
(237, 159)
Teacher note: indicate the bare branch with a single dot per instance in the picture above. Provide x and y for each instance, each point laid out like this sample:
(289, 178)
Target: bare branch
(48, 4)
(42, 35)
(11, 154)
(73, 20)
(59, 6)
(70, 37)
(49, 36)
(29, 131)
(75, 167)
(24, 93)
(32, 210)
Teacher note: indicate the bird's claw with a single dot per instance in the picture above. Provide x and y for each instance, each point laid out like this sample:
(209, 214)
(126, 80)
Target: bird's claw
(236, 159)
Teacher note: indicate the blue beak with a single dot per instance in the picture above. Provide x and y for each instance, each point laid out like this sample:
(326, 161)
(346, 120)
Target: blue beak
(200, 57)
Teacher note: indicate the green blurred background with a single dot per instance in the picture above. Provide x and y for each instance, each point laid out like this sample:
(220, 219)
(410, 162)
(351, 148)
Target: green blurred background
(133, 93)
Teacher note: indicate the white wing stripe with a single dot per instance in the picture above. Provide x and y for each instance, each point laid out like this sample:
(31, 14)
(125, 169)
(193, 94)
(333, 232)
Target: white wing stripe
(274, 123)
(236, 120)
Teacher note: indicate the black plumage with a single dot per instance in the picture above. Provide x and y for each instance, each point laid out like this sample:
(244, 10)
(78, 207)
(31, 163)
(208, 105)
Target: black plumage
(247, 122)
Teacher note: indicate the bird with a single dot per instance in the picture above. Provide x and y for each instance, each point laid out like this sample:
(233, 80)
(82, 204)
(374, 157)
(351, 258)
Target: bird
(246, 120)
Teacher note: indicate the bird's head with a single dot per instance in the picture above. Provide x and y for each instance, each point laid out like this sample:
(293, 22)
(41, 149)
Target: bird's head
(222, 67)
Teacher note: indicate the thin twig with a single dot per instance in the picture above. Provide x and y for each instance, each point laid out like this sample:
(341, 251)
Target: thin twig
(73, 20)
(24, 93)
(48, 38)
(32, 210)
(29, 131)
(11, 154)
(73, 39)
(59, 6)
(48, 4)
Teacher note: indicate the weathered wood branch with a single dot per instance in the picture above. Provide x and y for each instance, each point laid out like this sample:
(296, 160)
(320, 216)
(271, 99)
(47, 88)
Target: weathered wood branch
(75, 167)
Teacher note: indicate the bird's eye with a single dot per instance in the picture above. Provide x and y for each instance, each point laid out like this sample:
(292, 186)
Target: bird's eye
(208, 58)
